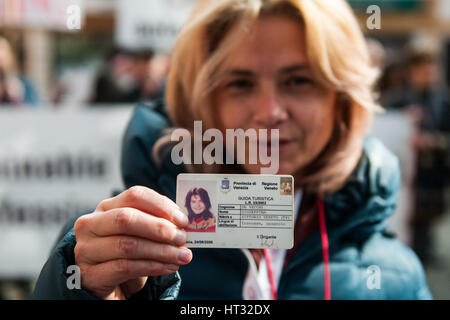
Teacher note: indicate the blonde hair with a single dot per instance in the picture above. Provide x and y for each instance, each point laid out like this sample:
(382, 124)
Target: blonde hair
(337, 54)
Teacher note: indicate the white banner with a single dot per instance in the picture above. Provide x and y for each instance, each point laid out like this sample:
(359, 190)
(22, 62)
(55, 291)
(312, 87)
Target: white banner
(144, 24)
(52, 14)
(442, 10)
(53, 165)
(395, 130)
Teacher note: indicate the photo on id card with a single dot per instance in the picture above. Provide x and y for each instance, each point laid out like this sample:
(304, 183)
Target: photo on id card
(198, 201)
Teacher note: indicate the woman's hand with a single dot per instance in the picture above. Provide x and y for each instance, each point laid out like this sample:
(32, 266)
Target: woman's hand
(128, 238)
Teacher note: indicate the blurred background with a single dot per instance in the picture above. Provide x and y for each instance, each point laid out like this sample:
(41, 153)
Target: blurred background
(71, 72)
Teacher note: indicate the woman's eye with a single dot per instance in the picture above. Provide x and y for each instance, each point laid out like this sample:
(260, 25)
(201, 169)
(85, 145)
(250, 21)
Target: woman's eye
(240, 84)
(297, 82)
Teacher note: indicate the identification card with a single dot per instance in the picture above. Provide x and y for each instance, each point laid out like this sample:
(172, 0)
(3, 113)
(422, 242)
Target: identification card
(238, 210)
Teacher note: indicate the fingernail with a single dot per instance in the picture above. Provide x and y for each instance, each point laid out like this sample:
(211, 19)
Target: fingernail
(180, 237)
(180, 218)
(184, 255)
(172, 267)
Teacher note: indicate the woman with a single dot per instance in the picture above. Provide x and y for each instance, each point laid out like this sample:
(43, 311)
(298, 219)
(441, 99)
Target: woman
(198, 206)
(298, 66)
(15, 89)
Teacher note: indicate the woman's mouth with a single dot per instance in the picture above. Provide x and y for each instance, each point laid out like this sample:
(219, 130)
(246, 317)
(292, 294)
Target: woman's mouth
(283, 145)
(266, 146)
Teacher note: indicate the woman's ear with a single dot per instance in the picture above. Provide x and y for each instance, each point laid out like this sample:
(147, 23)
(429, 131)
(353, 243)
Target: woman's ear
(342, 113)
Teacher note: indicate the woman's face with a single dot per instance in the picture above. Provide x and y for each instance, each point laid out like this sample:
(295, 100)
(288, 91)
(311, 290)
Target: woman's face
(268, 84)
(197, 204)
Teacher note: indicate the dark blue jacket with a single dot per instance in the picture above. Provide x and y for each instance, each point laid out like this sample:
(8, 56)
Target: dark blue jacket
(356, 223)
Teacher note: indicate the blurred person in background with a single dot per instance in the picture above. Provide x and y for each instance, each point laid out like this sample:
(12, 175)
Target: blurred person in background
(391, 84)
(152, 82)
(116, 82)
(377, 53)
(131, 77)
(426, 100)
(428, 104)
(15, 89)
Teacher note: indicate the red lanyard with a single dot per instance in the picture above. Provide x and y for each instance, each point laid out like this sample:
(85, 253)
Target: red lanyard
(325, 254)
(325, 257)
(273, 286)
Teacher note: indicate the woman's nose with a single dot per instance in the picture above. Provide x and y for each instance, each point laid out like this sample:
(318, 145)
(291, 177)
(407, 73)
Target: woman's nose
(268, 110)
